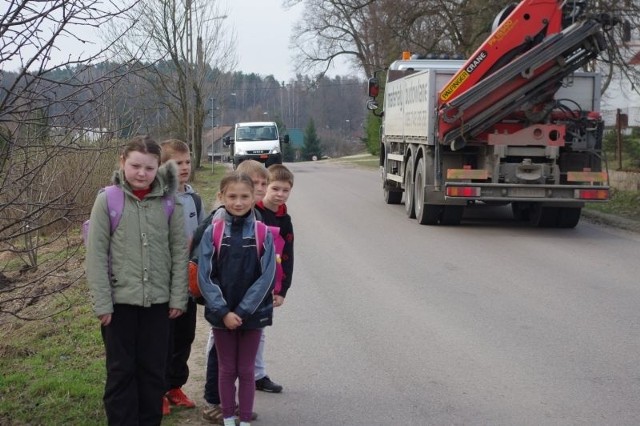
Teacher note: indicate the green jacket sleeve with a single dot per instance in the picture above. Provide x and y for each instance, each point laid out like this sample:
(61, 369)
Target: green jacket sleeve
(97, 257)
(179, 259)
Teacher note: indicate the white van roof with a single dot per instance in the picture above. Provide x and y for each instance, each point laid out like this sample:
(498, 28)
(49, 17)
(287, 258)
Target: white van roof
(256, 123)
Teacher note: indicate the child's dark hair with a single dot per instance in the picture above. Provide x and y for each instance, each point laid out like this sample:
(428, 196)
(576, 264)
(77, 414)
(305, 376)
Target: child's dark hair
(172, 146)
(143, 144)
(278, 172)
(235, 177)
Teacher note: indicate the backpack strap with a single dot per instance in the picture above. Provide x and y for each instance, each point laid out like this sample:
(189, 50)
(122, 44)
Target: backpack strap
(169, 204)
(217, 234)
(197, 234)
(198, 202)
(261, 233)
(115, 205)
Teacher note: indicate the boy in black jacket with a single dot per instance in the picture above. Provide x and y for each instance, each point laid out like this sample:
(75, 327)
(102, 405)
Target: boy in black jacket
(273, 209)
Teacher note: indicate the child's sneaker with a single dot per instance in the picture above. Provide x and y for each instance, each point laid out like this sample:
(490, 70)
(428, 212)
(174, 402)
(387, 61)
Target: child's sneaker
(213, 414)
(266, 385)
(166, 410)
(254, 415)
(231, 421)
(177, 397)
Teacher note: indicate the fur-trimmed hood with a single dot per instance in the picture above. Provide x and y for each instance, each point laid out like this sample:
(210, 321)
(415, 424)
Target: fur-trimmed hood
(166, 181)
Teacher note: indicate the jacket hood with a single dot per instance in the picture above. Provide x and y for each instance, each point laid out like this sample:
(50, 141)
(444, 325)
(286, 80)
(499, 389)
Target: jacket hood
(166, 178)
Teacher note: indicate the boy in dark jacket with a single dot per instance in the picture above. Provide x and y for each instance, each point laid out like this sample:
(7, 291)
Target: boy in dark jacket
(273, 209)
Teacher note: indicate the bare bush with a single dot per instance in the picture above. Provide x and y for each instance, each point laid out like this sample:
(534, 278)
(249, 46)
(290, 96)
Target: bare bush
(56, 128)
(189, 49)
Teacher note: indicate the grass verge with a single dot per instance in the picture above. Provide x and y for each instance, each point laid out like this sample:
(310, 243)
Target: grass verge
(53, 370)
(622, 203)
(362, 160)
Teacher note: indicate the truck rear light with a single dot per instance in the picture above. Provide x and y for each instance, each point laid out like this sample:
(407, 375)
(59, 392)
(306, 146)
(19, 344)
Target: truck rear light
(592, 194)
(463, 191)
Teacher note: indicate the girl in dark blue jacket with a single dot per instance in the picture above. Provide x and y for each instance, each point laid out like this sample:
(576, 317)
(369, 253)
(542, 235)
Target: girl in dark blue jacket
(237, 285)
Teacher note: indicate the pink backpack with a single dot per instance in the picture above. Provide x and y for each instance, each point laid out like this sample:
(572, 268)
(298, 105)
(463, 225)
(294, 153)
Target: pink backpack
(260, 232)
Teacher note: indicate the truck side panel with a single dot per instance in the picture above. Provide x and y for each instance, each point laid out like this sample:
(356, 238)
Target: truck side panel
(410, 105)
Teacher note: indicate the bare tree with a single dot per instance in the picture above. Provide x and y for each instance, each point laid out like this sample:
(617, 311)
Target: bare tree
(53, 130)
(182, 75)
(373, 33)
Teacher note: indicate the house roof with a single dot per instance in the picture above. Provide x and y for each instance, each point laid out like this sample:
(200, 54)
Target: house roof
(218, 133)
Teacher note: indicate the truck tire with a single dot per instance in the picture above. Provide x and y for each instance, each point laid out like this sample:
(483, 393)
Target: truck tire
(521, 211)
(555, 217)
(392, 196)
(568, 217)
(426, 214)
(544, 217)
(409, 206)
(452, 215)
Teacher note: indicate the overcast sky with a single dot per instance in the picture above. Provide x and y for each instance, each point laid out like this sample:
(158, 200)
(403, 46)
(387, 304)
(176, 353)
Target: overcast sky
(263, 28)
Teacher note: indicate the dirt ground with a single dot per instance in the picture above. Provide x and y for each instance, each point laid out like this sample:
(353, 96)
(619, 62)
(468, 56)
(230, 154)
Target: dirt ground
(195, 386)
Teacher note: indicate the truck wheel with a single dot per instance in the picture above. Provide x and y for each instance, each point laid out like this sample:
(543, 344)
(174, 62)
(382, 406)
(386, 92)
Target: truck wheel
(409, 189)
(568, 217)
(392, 197)
(544, 217)
(520, 211)
(452, 215)
(427, 214)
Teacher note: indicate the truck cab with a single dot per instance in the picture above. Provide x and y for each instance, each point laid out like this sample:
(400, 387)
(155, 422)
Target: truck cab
(258, 141)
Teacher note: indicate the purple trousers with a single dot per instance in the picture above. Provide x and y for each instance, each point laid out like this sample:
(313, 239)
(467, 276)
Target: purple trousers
(236, 359)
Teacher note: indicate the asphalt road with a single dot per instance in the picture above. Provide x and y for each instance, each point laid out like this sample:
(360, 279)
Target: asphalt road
(488, 323)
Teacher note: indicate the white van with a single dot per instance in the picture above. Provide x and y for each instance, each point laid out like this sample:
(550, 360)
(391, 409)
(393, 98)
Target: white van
(258, 141)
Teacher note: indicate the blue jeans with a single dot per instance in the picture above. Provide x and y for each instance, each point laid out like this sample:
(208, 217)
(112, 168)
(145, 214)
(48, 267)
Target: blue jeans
(261, 366)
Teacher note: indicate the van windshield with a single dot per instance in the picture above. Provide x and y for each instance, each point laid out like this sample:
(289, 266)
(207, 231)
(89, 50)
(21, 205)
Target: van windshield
(256, 133)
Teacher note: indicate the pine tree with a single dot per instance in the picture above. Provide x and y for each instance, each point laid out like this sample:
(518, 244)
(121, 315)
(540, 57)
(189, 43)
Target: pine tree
(373, 134)
(288, 152)
(312, 146)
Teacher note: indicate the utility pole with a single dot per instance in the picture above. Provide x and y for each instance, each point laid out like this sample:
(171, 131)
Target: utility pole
(213, 132)
(189, 74)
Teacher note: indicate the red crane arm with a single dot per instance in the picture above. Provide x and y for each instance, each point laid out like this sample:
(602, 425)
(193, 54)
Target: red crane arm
(525, 26)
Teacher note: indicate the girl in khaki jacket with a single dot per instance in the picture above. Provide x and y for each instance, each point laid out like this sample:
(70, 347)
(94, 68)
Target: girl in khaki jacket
(145, 285)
